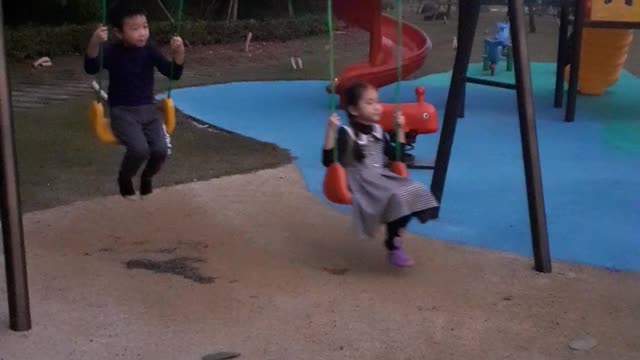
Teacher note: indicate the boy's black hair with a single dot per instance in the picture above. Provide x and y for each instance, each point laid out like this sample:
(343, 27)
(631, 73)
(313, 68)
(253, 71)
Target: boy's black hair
(122, 10)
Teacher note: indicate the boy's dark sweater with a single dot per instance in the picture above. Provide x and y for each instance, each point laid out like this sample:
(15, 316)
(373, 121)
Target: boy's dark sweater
(131, 72)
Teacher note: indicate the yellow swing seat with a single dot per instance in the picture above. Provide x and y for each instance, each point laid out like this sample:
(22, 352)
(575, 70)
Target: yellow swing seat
(102, 128)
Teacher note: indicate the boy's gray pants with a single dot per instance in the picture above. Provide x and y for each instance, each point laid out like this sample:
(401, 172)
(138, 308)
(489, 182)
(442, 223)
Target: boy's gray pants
(141, 130)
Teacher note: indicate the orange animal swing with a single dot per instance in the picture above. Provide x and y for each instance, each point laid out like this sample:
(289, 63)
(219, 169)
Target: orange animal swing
(335, 186)
(97, 120)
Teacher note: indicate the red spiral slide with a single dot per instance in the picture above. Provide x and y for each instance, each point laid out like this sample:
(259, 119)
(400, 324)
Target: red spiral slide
(381, 68)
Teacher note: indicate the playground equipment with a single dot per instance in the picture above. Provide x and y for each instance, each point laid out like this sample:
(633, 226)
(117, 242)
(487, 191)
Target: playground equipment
(468, 14)
(383, 68)
(626, 11)
(420, 118)
(497, 47)
(600, 42)
(15, 259)
(602, 56)
(97, 119)
(604, 51)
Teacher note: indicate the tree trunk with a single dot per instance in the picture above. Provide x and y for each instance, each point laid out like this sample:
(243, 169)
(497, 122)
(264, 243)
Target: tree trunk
(235, 10)
(209, 9)
(291, 11)
(232, 11)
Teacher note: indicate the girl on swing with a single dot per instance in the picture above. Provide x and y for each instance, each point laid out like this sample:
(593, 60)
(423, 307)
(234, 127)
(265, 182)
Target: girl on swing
(378, 195)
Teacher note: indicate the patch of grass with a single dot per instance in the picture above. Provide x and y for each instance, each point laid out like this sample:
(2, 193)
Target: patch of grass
(61, 162)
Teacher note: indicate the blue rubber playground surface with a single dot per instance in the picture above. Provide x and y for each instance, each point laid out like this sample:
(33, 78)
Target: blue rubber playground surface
(591, 168)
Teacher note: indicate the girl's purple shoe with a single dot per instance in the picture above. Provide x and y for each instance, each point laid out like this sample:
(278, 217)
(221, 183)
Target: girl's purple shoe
(398, 258)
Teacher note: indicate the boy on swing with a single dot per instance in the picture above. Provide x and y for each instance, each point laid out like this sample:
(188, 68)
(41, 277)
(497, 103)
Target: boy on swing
(135, 120)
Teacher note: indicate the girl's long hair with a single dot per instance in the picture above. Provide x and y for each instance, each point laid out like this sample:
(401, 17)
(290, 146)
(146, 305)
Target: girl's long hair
(352, 96)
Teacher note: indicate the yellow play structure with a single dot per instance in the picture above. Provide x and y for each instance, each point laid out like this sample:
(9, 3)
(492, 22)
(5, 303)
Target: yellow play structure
(604, 51)
(612, 10)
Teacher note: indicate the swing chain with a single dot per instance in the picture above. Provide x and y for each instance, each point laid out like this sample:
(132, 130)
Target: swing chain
(100, 75)
(178, 23)
(332, 100)
(396, 95)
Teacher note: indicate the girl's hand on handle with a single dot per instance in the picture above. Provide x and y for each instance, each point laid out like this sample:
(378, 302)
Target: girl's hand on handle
(334, 122)
(332, 125)
(399, 120)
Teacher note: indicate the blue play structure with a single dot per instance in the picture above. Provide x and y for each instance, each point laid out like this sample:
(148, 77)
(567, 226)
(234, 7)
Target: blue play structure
(497, 47)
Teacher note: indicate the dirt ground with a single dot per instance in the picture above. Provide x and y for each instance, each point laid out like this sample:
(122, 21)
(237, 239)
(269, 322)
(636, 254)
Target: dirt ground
(253, 263)
(237, 270)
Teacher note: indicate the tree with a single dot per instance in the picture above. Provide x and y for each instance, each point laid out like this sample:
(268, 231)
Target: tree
(291, 11)
(232, 11)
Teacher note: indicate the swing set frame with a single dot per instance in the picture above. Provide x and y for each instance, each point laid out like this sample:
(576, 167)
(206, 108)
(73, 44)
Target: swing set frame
(10, 205)
(468, 13)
